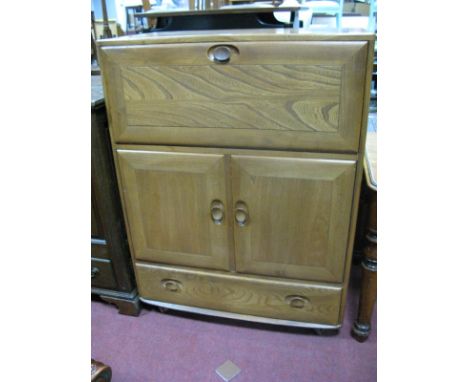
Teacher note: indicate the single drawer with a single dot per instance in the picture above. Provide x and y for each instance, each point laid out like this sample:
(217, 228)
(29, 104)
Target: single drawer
(99, 249)
(102, 274)
(258, 296)
(297, 94)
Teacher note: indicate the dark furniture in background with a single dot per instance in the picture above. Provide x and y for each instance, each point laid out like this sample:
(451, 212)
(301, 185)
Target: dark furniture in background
(112, 276)
(362, 324)
(134, 24)
(220, 16)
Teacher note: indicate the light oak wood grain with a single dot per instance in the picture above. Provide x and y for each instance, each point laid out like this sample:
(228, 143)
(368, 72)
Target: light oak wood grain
(359, 173)
(174, 93)
(298, 216)
(168, 200)
(217, 82)
(344, 63)
(253, 295)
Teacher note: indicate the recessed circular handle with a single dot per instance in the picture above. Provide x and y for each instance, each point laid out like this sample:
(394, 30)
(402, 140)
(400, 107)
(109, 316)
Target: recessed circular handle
(217, 215)
(94, 272)
(297, 302)
(217, 211)
(221, 54)
(241, 217)
(241, 214)
(171, 285)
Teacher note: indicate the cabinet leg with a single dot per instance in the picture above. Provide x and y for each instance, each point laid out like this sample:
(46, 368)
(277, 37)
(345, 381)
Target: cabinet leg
(362, 325)
(129, 307)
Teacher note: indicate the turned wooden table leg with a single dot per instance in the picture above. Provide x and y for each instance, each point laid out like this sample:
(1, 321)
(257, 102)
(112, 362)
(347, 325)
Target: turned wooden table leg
(362, 325)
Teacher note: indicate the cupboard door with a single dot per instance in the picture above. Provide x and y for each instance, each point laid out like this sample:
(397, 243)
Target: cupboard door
(292, 216)
(176, 206)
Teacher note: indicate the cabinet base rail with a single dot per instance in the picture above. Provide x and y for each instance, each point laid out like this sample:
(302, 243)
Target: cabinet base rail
(238, 316)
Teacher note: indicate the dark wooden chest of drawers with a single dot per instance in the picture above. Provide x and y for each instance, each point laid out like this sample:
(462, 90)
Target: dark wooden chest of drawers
(112, 275)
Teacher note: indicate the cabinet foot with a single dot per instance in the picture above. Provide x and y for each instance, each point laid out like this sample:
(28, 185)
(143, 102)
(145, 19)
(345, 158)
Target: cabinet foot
(360, 332)
(129, 306)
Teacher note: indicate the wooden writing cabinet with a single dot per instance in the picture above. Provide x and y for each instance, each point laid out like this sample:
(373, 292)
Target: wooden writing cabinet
(239, 159)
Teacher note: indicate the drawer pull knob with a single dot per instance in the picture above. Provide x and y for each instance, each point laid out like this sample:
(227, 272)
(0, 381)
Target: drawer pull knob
(171, 285)
(94, 272)
(221, 54)
(241, 214)
(217, 211)
(297, 302)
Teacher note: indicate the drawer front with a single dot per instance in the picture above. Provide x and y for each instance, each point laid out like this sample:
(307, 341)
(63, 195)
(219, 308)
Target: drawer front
(258, 296)
(99, 249)
(305, 95)
(102, 274)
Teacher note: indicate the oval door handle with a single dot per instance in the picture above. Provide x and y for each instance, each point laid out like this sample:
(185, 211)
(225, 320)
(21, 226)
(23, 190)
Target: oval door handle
(94, 272)
(217, 211)
(241, 214)
(171, 285)
(297, 302)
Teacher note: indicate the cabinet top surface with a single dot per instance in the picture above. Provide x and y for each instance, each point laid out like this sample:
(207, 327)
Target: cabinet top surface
(274, 34)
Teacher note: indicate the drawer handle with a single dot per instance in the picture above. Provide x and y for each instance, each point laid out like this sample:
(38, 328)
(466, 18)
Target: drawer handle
(171, 285)
(217, 211)
(297, 302)
(241, 214)
(221, 54)
(94, 272)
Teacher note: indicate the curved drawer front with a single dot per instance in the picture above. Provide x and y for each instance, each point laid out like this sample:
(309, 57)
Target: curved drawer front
(252, 295)
(303, 95)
